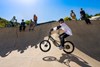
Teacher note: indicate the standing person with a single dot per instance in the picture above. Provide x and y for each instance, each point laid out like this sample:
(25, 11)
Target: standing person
(35, 18)
(83, 16)
(73, 15)
(65, 28)
(22, 26)
(31, 25)
(13, 21)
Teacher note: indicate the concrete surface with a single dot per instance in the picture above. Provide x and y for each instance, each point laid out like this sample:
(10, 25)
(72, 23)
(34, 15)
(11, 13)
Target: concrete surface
(20, 49)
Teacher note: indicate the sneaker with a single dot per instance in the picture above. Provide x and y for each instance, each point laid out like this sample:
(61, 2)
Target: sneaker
(61, 47)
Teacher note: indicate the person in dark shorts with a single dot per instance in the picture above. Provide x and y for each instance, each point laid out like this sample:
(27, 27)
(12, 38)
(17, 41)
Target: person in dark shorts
(31, 25)
(83, 16)
(22, 26)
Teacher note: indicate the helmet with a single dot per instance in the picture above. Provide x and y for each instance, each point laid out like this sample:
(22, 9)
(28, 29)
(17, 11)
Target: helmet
(22, 19)
(61, 20)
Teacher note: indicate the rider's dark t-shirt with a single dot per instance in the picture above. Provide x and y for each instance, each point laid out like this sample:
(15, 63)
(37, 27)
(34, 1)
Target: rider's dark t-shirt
(22, 23)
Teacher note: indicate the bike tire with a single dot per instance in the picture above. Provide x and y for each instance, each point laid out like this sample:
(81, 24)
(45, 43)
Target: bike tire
(65, 47)
(44, 45)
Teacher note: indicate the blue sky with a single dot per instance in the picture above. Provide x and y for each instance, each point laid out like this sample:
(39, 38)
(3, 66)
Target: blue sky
(46, 10)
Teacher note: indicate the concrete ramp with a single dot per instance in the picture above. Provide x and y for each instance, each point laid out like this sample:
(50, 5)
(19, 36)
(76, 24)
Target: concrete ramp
(20, 49)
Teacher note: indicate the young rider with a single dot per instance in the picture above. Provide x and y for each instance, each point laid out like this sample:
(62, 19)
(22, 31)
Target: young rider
(65, 28)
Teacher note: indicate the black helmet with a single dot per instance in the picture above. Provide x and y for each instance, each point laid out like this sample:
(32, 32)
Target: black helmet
(61, 20)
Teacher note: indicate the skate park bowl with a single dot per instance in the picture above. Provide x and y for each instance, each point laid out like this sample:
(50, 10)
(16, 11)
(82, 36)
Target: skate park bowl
(21, 49)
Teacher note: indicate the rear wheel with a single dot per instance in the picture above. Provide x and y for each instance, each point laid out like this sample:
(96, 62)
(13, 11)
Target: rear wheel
(45, 46)
(68, 47)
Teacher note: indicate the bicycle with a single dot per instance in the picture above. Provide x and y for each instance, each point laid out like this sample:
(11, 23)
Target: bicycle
(45, 45)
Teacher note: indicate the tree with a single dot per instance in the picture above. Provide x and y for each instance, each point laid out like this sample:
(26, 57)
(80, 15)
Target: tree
(27, 22)
(98, 14)
(67, 19)
(3, 22)
(0, 18)
(88, 16)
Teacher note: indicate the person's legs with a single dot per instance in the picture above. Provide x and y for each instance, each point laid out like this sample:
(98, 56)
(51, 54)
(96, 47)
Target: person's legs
(62, 37)
(86, 21)
(24, 28)
(89, 22)
(35, 22)
(30, 27)
(33, 26)
(20, 28)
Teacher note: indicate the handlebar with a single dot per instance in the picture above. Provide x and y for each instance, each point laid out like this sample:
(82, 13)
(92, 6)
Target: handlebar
(52, 30)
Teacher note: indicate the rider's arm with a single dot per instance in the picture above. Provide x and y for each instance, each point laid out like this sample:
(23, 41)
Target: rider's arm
(55, 28)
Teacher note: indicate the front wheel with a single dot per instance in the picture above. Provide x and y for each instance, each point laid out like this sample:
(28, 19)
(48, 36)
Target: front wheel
(45, 46)
(68, 47)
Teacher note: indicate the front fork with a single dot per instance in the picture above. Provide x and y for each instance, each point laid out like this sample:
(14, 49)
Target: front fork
(50, 38)
(54, 41)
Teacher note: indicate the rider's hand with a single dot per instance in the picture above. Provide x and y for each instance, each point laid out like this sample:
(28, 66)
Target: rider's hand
(50, 31)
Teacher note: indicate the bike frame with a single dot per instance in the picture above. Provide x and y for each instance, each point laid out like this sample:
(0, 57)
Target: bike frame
(67, 46)
(52, 39)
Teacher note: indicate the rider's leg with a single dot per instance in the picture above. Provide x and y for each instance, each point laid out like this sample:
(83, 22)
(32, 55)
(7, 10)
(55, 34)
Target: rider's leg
(62, 37)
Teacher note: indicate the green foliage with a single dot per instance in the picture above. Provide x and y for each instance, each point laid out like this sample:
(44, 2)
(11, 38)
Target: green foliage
(27, 22)
(67, 19)
(88, 16)
(3, 22)
(2, 25)
(98, 14)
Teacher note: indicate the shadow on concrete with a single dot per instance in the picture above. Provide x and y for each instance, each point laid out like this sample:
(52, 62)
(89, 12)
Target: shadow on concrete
(11, 39)
(67, 59)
